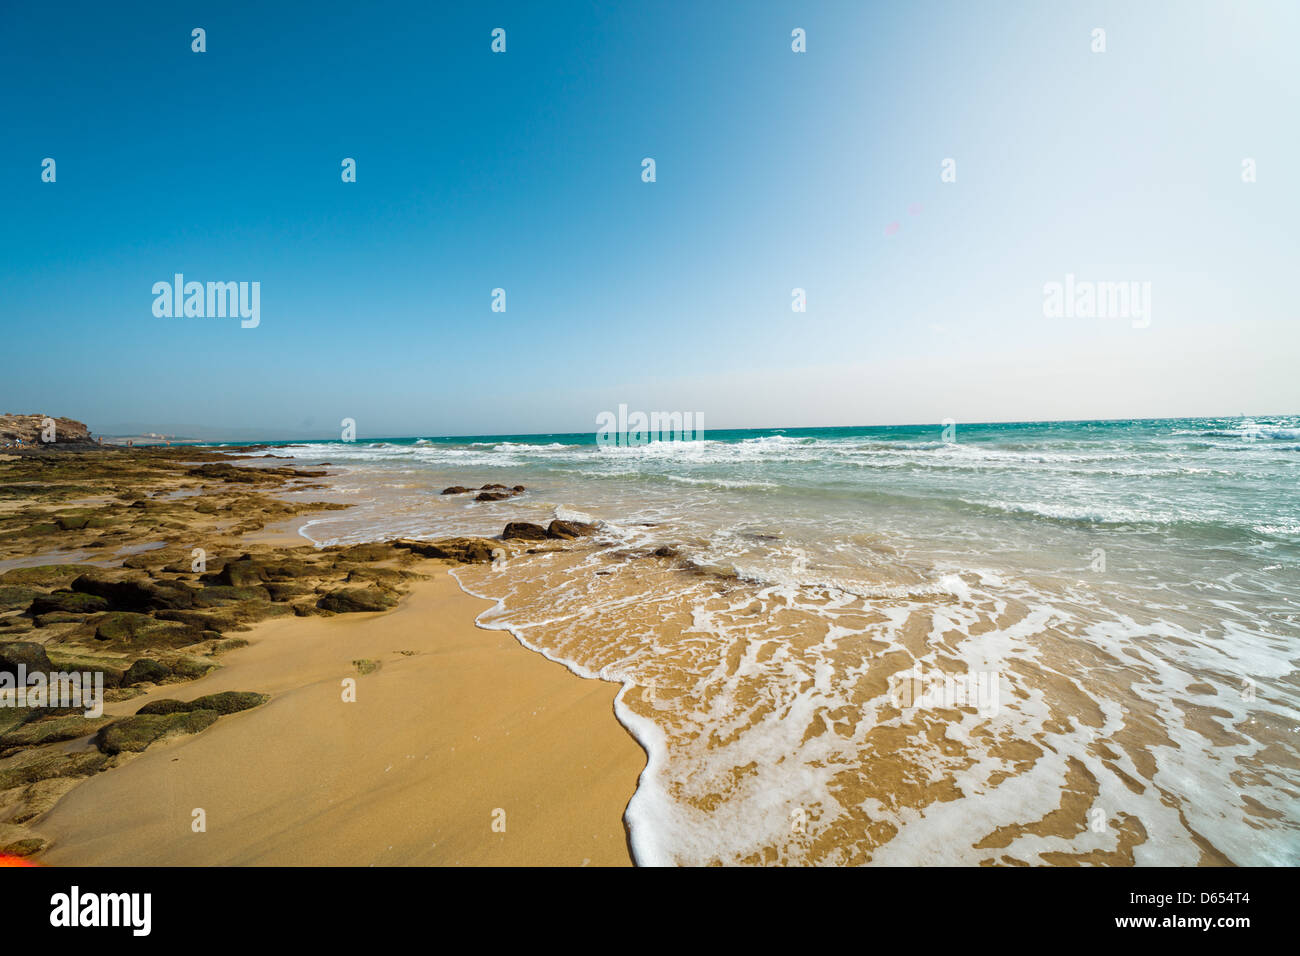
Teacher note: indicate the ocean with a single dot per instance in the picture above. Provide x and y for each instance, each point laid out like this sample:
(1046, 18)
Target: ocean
(1055, 642)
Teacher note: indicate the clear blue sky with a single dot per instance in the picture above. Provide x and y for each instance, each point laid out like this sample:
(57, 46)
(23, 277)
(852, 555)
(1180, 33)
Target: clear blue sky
(523, 171)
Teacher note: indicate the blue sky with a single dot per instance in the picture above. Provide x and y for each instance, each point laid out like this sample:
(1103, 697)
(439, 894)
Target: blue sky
(522, 170)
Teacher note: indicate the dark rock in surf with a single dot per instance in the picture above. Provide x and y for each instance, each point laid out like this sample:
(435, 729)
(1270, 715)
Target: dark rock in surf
(568, 530)
(524, 531)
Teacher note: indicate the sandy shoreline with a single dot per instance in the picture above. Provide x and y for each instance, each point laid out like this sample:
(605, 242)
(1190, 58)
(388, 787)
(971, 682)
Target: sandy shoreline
(461, 746)
(414, 772)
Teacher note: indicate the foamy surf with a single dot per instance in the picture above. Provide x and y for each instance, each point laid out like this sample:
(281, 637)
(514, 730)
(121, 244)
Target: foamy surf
(1129, 593)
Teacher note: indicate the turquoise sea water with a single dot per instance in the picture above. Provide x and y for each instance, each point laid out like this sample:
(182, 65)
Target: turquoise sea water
(1133, 586)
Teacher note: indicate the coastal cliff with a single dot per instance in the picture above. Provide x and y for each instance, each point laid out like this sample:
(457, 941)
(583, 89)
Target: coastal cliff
(33, 430)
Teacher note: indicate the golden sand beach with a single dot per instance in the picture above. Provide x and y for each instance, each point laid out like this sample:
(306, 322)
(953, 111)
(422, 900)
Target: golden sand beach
(457, 725)
(392, 730)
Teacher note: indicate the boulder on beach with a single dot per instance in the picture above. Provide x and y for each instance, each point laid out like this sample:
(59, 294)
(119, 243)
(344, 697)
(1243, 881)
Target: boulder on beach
(129, 627)
(491, 496)
(524, 531)
(351, 600)
(70, 602)
(145, 669)
(567, 530)
(456, 490)
(30, 655)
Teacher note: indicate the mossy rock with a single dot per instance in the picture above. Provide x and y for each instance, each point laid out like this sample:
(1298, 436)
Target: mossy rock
(221, 471)
(11, 717)
(367, 552)
(65, 657)
(29, 766)
(216, 594)
(146, 669)
(136, 734)
(227, 702)
(224, 645)
(51, 729)
(137, 594)
(29, 654)
(281, 591)
(14, 596)
(390, 577)
(240, 573)
(464, 550)
(58, 617)
(176, 560)
(46, 575)
(70, 602)
(353, 600)
(191, 668)
(128, 627)
(24, 848)
(225, 618)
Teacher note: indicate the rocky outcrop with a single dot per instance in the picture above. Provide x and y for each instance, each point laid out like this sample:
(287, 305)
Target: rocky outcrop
(136, 594)
(493, 488)
(463, 550)
(227, 702)
(130, 627)
(70, 602)
(353, 600)
(222, 471)
(32, 430)
(135, 734)
(30, 655)
(144, 670)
